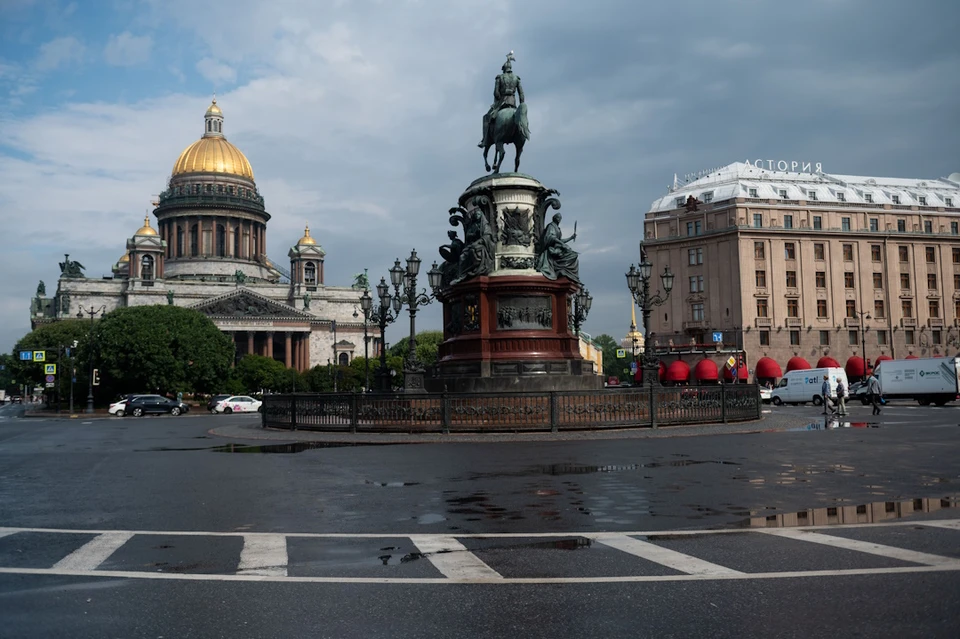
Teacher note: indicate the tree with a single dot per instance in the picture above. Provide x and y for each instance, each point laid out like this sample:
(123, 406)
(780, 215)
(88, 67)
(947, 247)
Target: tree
(257, 373)
(161, 349)
(55, 338)
(612, 367)
(7, 376)
(428, 342)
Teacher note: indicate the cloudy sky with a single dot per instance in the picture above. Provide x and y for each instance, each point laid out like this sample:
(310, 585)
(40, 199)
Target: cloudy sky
(361, 117)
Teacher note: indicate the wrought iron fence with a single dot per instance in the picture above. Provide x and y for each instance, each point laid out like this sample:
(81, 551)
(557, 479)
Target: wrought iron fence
(513, 412)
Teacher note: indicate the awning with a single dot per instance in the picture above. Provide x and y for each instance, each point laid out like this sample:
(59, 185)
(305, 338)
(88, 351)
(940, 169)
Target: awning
(797, 364)
(882, 358)
(911, 357)
(766, 367)
(678, 371)
(706, 371)
(827, 362)
(855, 367)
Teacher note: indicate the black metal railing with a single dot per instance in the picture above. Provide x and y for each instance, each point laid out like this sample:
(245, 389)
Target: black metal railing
(513, 412)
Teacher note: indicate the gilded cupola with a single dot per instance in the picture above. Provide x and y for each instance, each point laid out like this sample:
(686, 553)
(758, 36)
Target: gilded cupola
(212, 153)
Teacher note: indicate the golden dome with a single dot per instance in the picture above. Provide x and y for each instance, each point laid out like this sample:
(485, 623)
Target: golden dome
(146, 228)
(213, 155)
(125, 258)
(306, 239)
(214, 109)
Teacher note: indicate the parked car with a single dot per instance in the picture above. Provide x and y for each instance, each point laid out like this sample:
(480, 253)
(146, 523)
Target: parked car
(858, 390)
(216, 399)
(140, 405)
(766, 394)
(119, 407)
(238, 404)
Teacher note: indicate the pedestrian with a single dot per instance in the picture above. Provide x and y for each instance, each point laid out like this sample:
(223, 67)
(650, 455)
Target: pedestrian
(873, 390)
(841, 398)
(825, 393)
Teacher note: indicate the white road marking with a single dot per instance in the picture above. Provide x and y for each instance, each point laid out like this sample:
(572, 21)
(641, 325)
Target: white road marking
(951, 525)
(94, 552)
(453, 559)
(4, 533)
(865, 546)
(664, 556)
(263, 555)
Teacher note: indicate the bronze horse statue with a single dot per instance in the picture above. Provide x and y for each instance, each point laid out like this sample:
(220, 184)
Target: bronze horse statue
(509, 127)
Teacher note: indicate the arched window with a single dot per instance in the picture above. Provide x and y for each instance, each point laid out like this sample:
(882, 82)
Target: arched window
(179, 241)
(208, 126)
(236, 241)
(221, 241)
(256, 244)
(343, 359)
(194, 241)
(146, 268)
(310, 274)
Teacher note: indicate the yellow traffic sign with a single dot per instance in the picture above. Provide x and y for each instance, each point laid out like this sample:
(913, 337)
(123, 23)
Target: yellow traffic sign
(49, 369)
(39, 356)
(621, 353)
(731, 362)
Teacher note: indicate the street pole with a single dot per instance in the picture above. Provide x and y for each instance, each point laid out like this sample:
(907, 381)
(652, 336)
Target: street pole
(638, 281)
(92, 313)
(407, 278)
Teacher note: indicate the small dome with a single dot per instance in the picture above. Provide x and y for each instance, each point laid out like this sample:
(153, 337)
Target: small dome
(146, 229)
(214, 109)
(125, 258)
(306, 240)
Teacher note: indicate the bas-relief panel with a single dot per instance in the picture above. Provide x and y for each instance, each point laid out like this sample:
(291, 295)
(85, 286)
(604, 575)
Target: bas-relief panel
(524, 313)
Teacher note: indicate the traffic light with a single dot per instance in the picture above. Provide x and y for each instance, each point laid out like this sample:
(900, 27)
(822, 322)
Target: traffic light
(96, 377)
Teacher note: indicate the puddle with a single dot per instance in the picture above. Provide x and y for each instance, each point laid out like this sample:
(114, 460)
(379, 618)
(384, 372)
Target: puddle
(430, 518)
(871, 512)
(294, 447)
(392, 484)
(832, 424)
(577, 469)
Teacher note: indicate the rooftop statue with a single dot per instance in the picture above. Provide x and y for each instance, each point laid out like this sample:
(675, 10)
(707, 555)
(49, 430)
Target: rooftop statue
(361, 281)
(69, 268)
(41, 289)
(506, 120)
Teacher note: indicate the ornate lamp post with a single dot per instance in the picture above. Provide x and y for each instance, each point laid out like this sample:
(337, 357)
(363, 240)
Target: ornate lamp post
(638, 281)
(863, 339)
(582, 301)
(92, 313)
(407, 278)
(366, 305)
(383, 315)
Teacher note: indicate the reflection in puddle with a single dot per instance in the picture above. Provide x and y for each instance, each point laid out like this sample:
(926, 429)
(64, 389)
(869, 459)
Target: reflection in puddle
(860, 514)
(831, 422)
(293, 447)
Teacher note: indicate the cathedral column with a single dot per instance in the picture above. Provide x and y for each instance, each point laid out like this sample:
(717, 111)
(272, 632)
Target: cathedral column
(270, 344)
(250, 343)
(306, 352)
(288, 359)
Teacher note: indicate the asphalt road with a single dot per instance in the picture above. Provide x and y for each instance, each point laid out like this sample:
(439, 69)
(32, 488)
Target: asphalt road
(153, 527)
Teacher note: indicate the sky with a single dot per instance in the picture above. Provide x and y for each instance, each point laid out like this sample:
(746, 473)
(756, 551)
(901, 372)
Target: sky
(361, 118)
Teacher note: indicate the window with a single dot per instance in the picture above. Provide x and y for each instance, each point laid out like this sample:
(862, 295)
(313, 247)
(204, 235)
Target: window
(695, 256)
(788, 221)
(811, 195)
(764, 338)
(935, 337)
(179, 241)
(896, 199)
(793, 308)
(848, 280)
(790, 251)
(343, 359)
(821, 279)
(696, 283)
(956, 308)
(868, 197)
(905, 281)
(146, 268)
(906, 308)
(753, 193)
(956, 285)
(927, 226)
(904, 254)
(758, 250)
(932, 281)
(818, 251)
(696, 312)
(853, 338)
(876, 253)
(844, 223)
(762, 307)
(956, 255)
(694, 228)
(931, 254)
(908, 337)
(841, 196)
(948, 201)
(881, 338)
(310, 274)
(851, 308)
(221, 247)
(878, 281)
(954, 228)
(236, 241)
(708, 196)
(923, 200)
(794, 338)
(761, 279)
(758, 220)
(879, 309)
(902, 226)
(824, 338)
(817, 222)
(821, 308)
(680, 201)
(783, 194)
(848, 252)
(874, 224)
(194, 241)
(791, 279)
(933, 308)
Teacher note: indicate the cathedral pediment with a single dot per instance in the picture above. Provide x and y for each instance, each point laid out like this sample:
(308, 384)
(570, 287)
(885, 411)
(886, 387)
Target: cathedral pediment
(244, 303)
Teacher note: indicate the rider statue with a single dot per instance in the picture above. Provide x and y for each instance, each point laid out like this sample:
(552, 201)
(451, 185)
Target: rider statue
(506, 89)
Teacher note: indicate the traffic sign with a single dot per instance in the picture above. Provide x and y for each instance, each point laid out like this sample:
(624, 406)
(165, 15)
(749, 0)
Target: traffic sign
(717, 336)
(39, 356)
(49, 369)
(51, 378)
(731, 362)
(49, 384)
(621, 353)
(26, 356)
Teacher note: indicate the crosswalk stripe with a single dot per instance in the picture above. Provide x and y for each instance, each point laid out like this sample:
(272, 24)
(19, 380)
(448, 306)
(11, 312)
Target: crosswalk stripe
(263, 555)
(94, 552)
(4, 533)
(950, 525)
(452, 558)
(664, 556)
(864, 546)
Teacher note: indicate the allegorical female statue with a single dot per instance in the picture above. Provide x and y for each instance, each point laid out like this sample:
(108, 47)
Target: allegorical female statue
(477, 256)
(556, 258)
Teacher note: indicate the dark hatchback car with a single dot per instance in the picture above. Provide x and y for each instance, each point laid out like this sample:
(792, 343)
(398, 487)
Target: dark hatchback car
(141, 405)
(216, 399)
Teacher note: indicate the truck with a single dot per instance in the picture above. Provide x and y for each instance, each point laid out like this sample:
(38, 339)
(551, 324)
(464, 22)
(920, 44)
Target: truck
(801, 386)
(931, 380)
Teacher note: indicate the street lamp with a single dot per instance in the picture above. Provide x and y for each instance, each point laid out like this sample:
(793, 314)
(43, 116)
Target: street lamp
(582, 301)
(863, 339)
(383, 315)
(638, 281)
(92, 313)
(407, 278)
(366, 305)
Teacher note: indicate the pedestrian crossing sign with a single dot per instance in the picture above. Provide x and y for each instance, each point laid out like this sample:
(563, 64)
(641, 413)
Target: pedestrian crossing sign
(621, 353)
(49, 369)
(39, 356)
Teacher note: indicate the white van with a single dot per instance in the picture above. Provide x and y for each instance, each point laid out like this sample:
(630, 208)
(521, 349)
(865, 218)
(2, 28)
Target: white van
(799, 387)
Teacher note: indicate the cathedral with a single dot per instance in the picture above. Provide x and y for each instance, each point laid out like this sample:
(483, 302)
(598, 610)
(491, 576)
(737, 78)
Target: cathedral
(207, 251)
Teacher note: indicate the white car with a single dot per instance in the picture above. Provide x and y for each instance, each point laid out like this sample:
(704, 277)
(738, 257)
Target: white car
(766, 394)
(119, 407)
(238, 404)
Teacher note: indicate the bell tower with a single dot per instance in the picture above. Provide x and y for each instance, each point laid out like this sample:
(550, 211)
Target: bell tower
(145, 250)
(306, 265)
